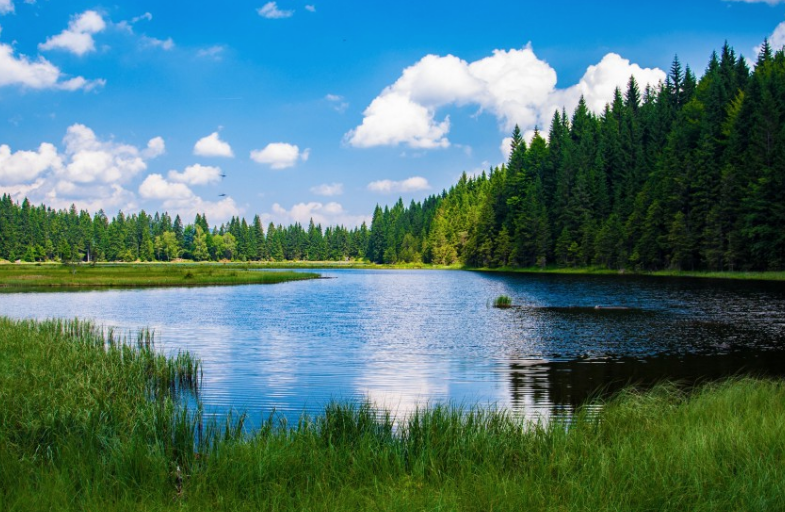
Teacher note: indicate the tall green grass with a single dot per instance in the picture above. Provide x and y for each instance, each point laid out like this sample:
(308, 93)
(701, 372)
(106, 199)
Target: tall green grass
(89, 421)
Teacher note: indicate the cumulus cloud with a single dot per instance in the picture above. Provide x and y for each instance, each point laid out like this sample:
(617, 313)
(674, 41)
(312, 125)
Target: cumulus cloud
(93, 198)
(38, 74)
(514, 85)
(212, 145)
(310, 8)
(331, 189)
(155, 147)
(179, 198)
(280, 155)
(23, 166)
(270, 10)
(330, 214)
(6, 6)
(777, 38)
(412, 184)
(156, 187)
(197, 175)
(600, 81)
(89, 171)
(94, 160)
(78, 37)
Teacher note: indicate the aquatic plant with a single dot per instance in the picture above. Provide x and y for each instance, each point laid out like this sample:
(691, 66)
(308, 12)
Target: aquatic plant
(502, 301)
(90, 420)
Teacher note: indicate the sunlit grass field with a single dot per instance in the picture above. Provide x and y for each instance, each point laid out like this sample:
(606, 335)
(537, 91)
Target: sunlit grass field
(89, 421)
(139, 275)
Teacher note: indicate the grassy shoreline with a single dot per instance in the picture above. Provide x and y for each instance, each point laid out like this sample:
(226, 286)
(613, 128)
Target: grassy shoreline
(707, 274)
(54, 276)
(88, 422)
(237, 267)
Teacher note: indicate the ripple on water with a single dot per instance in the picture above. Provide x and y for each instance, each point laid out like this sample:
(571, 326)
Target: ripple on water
(408, 338)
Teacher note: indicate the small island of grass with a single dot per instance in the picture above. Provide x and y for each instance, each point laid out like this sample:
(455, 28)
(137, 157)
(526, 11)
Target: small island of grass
(502, 301)
(139, 275)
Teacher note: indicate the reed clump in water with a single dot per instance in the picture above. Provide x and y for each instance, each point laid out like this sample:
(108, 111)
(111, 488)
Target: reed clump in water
(89, 421)
(502, 301)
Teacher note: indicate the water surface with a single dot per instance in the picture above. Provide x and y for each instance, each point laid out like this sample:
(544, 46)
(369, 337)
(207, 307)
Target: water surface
(407, 338)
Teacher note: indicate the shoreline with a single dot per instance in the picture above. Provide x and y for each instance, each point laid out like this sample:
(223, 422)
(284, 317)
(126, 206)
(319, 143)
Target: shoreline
(773, 276)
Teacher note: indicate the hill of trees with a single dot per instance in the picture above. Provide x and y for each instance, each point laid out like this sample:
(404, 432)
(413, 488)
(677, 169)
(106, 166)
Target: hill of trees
(686, 175)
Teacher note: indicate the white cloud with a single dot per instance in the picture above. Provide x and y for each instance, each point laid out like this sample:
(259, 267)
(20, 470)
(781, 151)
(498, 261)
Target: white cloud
(279, 155)
(770, 2)
(151, 42)
(23, 166)
(270, 11)
(177, 198)
(408, 185)
(393, 118)
(513, 85)
(146, 16)
(505, 148)
(78, 38)
(197, 175)
(155, 147)
(777, 38)
(600, 81)
(156, 187)
(213, 52)
(338, 102)
(89, 172)
(93, 160)
(6, 7)
(330, 214)
(212, 145)
(331, 189)
(310, 8)
(20, 191)
(101, 197)
(39, 74)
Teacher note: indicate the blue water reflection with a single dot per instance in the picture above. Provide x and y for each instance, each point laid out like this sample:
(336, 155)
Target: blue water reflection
(407, 338)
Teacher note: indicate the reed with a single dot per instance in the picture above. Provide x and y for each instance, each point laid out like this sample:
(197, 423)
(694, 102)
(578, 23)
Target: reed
(89, 420)
(502, 301)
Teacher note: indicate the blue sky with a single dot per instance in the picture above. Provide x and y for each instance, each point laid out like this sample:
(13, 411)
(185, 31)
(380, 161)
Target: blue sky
(320, 109)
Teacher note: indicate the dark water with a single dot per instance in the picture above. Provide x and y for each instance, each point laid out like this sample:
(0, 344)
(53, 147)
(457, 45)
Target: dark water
(407, 338)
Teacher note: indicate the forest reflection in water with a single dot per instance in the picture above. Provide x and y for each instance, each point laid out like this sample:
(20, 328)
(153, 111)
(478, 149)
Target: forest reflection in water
(405, 339)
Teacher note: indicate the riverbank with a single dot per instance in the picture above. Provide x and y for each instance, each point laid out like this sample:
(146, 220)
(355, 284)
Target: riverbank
(90, 423)
(53, 276)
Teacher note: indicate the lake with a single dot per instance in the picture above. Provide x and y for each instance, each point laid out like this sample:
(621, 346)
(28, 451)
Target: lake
(407, 338)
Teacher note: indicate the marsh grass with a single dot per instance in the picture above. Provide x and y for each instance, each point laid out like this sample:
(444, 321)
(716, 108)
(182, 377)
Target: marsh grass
(141, 275)
(90, 421)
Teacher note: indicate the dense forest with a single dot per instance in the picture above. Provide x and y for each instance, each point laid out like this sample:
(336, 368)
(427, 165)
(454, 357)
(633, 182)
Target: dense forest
(686, 175)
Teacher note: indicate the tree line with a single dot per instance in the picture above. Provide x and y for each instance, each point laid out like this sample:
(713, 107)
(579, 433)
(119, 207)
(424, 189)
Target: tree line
(39, 233)
(685, 175)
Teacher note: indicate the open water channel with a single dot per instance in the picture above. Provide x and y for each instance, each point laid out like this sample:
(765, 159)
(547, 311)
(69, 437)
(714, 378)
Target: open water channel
(407, 338)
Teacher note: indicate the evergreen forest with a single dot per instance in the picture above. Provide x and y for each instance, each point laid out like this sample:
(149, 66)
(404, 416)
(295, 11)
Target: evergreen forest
(688, 175)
